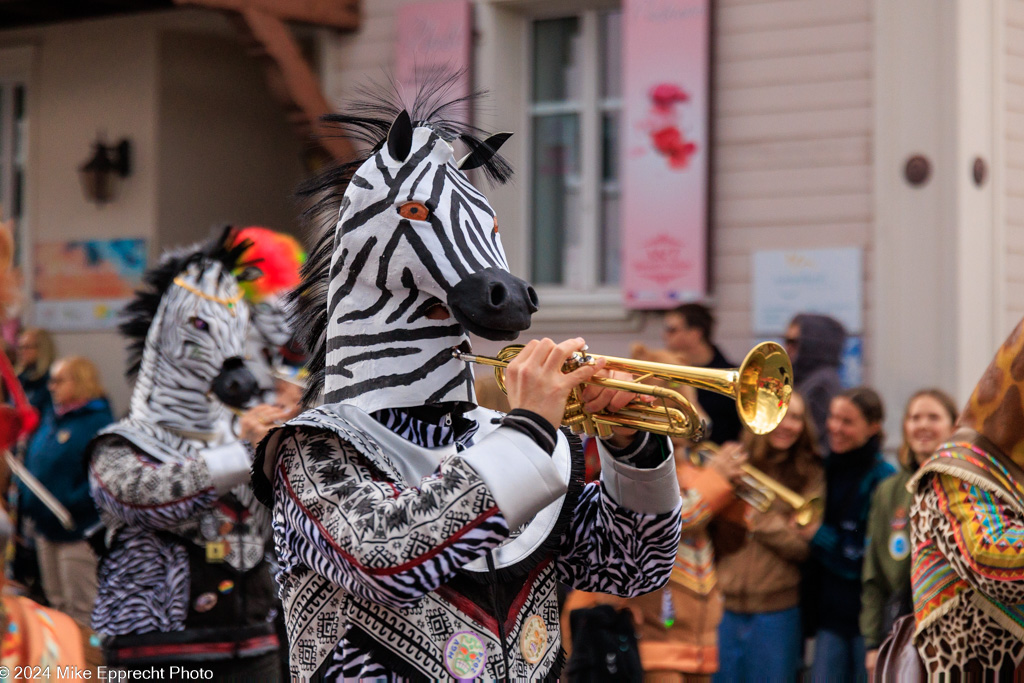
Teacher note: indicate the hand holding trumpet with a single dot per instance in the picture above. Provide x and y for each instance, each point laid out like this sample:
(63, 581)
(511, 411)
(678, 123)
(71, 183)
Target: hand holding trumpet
(728, 461)
(535, 382)
(255, 422)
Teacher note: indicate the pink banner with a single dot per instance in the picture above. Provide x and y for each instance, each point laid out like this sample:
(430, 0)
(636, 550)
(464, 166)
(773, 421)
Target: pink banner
(665, 151)
(433, 38)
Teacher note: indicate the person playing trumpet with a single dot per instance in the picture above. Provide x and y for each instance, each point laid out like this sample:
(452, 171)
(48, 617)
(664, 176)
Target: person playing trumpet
(759, 556)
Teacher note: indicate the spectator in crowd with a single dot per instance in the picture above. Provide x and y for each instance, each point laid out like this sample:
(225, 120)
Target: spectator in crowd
(853, 470)
(677, 625)
(759, 557)
(815, 344)
(56, 456)
(886, 595)
(35, 354)
(688, 330)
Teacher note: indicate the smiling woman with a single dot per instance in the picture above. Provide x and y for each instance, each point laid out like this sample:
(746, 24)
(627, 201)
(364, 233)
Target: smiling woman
(927, 423)
(853, 470)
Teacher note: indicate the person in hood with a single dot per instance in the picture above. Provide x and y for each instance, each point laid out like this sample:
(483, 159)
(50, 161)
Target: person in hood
(56, 456)
(815, 345)
(885, 594)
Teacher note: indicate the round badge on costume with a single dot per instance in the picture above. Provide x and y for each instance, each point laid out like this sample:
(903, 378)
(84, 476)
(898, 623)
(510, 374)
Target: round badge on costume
(63, 436)
(533, 639)
(465, 655)
(205, 602)
(899, 545)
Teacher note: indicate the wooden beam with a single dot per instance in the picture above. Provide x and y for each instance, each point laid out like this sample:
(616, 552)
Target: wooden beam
(339, 14)
(291, 79)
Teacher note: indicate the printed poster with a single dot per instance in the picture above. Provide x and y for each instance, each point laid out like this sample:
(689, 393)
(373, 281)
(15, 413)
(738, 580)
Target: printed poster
(435, 38)
(82, 285)
(665, 151)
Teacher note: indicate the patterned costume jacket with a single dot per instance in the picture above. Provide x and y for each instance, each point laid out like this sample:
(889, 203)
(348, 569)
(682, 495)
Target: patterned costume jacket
(390, 557)
(185, 564)
(967, 535)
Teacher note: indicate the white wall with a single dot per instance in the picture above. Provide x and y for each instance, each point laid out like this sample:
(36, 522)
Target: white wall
(105, 75)
(227, 152)
(792, 150)
(1013, 159)
(90, 77)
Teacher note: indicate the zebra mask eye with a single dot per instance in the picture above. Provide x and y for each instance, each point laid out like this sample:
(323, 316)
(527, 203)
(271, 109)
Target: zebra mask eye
(200, 324)
(414, 211)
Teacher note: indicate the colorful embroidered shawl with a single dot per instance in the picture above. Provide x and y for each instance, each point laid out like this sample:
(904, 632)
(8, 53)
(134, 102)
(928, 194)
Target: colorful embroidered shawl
(980, 487)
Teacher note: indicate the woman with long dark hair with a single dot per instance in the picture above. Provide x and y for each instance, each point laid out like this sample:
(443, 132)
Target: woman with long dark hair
(759, 556)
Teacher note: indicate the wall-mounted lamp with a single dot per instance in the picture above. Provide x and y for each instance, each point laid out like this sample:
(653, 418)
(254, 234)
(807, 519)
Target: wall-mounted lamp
(99, 172)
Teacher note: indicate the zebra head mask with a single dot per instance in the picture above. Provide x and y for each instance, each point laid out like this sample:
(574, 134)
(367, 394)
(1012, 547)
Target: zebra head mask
(413, 264)
(188, 329)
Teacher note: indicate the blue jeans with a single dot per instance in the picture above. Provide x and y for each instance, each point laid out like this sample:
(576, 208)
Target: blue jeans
(759, 647)
(838, 659)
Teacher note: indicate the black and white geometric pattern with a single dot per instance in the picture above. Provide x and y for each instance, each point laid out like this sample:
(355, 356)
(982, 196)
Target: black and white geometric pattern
(367, 562)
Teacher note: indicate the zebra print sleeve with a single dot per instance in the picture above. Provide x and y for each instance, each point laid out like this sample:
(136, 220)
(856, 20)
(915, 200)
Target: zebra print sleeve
(141, 491)
(609, 548)
(379, 540)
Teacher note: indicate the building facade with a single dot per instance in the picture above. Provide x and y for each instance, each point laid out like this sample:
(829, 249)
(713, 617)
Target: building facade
(817, 106)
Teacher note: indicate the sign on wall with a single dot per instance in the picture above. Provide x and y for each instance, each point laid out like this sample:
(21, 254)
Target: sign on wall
(434, 38)
(82, 285)
(791, 281)
(665, 151)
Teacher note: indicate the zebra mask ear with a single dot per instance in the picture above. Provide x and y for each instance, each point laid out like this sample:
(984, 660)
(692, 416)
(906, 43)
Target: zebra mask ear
(400, 137)
(481, 152)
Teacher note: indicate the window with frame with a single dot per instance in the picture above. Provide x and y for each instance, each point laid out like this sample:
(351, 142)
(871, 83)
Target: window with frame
(13, 156)
(574, 109)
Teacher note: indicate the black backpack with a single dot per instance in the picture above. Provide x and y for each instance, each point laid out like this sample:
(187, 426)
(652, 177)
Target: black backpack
(603, 646)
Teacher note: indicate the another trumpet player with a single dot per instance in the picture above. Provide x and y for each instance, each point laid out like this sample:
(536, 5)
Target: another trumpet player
(677, 626)
(759, 556)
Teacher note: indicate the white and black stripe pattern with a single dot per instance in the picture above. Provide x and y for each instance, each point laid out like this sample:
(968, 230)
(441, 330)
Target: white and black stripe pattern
(269, 330)
(425, 433)
(187, 343)
(351, 663)
(387, 272)
(611, 549)
(143, 586)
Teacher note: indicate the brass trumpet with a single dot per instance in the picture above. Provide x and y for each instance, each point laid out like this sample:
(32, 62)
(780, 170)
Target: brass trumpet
(761, 386)
(760, 491)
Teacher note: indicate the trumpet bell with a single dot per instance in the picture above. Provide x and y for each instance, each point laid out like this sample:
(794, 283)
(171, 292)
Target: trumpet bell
(764, 387)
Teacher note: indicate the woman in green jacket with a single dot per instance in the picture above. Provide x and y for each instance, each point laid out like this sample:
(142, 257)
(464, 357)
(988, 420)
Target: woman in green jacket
(885, 596)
